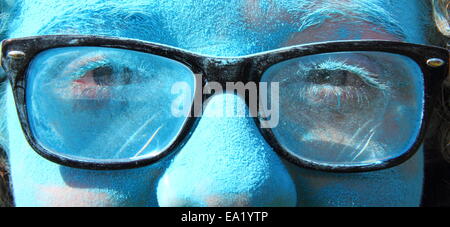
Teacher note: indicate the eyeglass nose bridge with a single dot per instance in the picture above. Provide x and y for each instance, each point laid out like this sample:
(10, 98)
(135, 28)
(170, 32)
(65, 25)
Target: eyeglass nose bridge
(224, 75)
(223, 70)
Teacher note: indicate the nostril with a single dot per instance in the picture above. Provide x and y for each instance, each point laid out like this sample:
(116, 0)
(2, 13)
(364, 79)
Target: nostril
(241, 200)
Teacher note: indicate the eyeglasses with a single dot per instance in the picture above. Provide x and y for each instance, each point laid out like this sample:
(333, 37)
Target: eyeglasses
(107, 103)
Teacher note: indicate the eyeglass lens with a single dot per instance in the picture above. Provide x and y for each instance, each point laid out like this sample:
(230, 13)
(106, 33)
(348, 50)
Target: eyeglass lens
(348, 108)
(105, 103)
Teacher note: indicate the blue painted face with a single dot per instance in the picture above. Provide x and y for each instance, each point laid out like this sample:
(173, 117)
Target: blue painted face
(226, 162)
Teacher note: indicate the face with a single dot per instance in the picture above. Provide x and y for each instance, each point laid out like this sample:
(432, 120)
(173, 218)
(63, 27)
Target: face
(226, 161)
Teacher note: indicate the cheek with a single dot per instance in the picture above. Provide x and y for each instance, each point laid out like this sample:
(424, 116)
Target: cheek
(39, 182)
(55, 196)
(398, 186)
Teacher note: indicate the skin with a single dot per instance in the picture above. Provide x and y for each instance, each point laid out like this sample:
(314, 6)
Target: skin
(226, 162)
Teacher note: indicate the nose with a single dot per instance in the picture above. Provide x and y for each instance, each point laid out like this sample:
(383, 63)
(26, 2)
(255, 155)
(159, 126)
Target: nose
(226, 162)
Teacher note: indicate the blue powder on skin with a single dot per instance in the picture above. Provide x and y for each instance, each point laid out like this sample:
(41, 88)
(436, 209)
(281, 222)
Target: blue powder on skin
(226, 161)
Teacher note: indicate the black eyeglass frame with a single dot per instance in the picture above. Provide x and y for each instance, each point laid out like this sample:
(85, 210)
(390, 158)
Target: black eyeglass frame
(18, 53)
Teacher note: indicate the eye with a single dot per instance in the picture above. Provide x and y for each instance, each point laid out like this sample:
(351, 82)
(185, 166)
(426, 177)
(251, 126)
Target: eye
(94, 83)
(99, 82)
(337, 78)
(339, 86)
(343, 81)
(103, 76)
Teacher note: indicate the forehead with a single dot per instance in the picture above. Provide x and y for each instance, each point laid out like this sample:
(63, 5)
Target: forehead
(215, 26)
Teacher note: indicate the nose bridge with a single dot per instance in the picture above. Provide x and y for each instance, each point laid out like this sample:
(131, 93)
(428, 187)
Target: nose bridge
(226, 162)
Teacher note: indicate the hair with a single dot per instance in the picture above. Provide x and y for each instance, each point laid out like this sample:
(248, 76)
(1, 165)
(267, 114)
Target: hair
(437, 139)
(6, 198)
(441, 18)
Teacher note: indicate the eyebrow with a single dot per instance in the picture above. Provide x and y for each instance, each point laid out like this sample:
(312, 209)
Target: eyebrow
(379, 25)
(139, 21)
(308, 14)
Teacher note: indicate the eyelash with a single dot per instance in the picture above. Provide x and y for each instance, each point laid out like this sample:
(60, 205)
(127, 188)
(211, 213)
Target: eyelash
(84, 84)
(122, 75)
(342, 98)
(364, 74)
